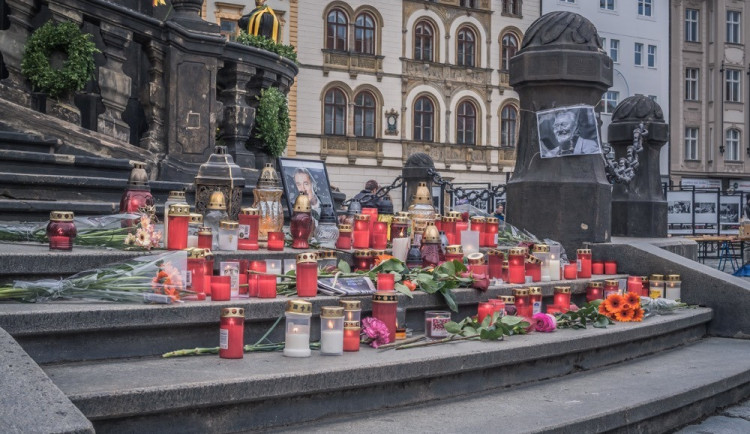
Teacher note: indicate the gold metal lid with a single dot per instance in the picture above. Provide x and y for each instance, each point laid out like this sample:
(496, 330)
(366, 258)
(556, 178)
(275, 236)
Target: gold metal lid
(217, 201)
(233, 312)
(404, 214)
(507, 299)
(269, 178)
(362, 217)
(533, 260)
(496, 252)
(138, 178)
(517, 251)
(520, 292)
(449, 219)
(376, 253)
(562, 289)
(179, 210)
(362, 253)
(228, 224)
(454, 249)
(345, 228)
(331, 312)
(431, 233)
(438, 217)
(385, 297)
(351, 325)
(302, 203)
(208, 254)
(673, 277)
(506, 264)
(477, 219)
(299, 306)
(492, 220)
(596, 285)
(583, 251)
(644, 278)
(307, 257)
(176, 195)
(249, 211)
(204, 230)
(400, 220)
(535, 290)
(326, 254)
(540, 248)
(196, 253)
(422, 196)
(611, 282)
(476, 258)
(196, 219)
(455, 214)
(657, 277)
(351, 304)
(61, 216)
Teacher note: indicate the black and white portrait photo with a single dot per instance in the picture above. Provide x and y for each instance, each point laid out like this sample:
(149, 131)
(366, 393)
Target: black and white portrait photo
(306, 176)
(679, 207)
(568, 131)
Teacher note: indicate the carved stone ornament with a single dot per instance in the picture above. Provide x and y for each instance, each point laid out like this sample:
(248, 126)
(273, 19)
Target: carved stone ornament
(391, 122)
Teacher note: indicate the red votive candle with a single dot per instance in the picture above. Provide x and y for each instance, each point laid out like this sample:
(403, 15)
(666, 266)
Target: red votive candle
(196, 270)
(583, 263)
(61, 230)
(249, 219)
(535, 299)
(495, 265)
(635, 285)
(478, 224)
(476, 264)
(449, 227)
(379, 235)
(266, 286)
(523, 303)
(307, 274)
(362, 260)
(205, 238)
(344, 241)
(351, 336)
(206, 286)
(562, 297)
(594, 291)
(498, 306)
(231, 333)
(221, 288)
(384, 305)
(484, 309)
(460, 227)
(569, 271)
(361, 233)
(252, 279)
(610, 267)
(178, 216)
(597, 267)
(611, 287)
(491, 230)
(454, 253)
(534, 268)
(516, 265)
(386, 281)
(243, 284)
(399, 227)
(276, 241)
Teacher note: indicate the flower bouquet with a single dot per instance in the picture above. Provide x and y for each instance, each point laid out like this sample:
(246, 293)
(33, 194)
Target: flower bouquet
(623, 308)
(151, 279)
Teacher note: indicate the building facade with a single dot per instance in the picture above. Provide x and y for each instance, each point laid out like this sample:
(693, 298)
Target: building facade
(708, 94)
(635, 34)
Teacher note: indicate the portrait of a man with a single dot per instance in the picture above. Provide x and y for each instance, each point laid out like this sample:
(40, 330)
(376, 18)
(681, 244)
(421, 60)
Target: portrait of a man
(309, 177)
(568, 131)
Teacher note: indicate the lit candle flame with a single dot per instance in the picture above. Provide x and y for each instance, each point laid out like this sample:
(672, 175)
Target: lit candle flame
(295, 330)
(330, 324)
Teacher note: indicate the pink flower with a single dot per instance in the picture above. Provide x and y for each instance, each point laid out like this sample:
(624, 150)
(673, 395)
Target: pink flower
(478, 281)
(573, 307)
(544, 322)
(375, 332)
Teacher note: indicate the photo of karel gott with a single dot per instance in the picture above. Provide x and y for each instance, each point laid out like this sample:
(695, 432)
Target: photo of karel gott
(568, 131)
(309, 177)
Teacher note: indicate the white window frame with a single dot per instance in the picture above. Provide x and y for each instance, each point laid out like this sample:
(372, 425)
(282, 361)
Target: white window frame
(734, 30)
(607, 5)
(692, 84)
(638, 54)
(692, 25)
(643, 5)
(609, 96)
(691, 143)
(651, 56)
(732, 85)
(732, 152)
(614, 50)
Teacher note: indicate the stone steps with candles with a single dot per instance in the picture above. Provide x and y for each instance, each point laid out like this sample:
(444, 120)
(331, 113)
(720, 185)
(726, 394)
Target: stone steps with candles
(267, 390)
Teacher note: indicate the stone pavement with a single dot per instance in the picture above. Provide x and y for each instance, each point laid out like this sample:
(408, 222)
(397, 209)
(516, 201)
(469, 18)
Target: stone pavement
(735, 419)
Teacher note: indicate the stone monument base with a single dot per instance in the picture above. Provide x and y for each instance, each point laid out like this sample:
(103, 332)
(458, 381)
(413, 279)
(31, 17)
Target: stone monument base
(639, 219)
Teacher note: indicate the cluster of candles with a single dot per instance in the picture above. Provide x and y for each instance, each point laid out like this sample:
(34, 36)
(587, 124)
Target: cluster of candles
(654, 286)
(339, 328)
(524, 302)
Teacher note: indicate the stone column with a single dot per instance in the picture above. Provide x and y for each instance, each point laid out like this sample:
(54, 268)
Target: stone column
(568, 199)
(239, 117)
(153, 100)
(639, 208)
(115, 85)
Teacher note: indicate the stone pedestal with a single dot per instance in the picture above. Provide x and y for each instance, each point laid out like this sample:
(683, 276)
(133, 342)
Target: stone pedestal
(639, 208)
(568, 199)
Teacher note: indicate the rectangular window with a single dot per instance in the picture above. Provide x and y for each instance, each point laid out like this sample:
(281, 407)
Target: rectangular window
(614, 50)
(732, 145)
(607, 5)
(645, 8)
(691, 84)
(733, 27)
(691, 25)
(732, 88)
(652, 56)
(609, 101)
(638, 54)
(691, 143)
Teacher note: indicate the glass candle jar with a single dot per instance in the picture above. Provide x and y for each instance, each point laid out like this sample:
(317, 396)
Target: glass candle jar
(231, 333)
(510, 304)
(386, 281)
(352, 310)
(61, 231)
(495, 263)
(373, 214)
(646, 286)
(594, 291)
(362, 260)
(194, 227)
(228, 235)
(562, 297)
(301, 223)
(399, 227)
(351, 336)
(414, 257)
(400, 324)
(673, 287)
(196, 272)
(179, 214)
(570, 271)
(484, 310)
(554, 261)
(597, 267)
(267, 199)
(611, 286)
(516, 265)
(534, 268)
(344, 241)
(379, 235)
(535, 299)
(275, 241)
(252, 278)
(266, 285)
(635, 285)
(431, 253)
(523, 302)
(327, 258)
(361, 233)
(610, 267)
(449, 227)
(498, 306)
(454, 253)
(541, 252)
(434, 324)
(175, 197)
(221, 288)
(478, 225)
(583, 263)
(327, 230)
(476, 264)
(297, 335)
(217, 212)
(205, 238)
(491, 227)
(384, 304)
(504, 276)
(331, 330)
(249, 225)
(656, 286)
(307, 274)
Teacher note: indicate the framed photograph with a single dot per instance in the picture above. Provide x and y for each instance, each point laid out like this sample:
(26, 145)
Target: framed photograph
(568, 131)
(309, 176)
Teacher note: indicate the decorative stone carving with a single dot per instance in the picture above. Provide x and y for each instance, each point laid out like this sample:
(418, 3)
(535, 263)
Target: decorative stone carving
(153, 100)
(114, 84)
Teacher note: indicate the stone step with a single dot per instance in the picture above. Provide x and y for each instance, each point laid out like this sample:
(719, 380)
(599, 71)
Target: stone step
(267, 390)
(652, 394)
(11, 140)
(24, 162)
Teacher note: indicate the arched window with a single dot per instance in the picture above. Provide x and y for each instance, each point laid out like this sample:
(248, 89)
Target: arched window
(733, 145)
(466, 123)
(423, 41)
(424, 119)
(508, 116)
(466, 45)
(364, 115)
(364, 34)
(510, 47)
(335, 112)
(336, 32)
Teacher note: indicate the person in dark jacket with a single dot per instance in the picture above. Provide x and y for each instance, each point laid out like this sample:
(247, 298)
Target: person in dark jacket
(366, 197)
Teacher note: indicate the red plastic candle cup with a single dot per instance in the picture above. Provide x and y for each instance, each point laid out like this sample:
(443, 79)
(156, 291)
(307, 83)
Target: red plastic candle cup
(231, 333)
(635, 284)
(516, 265)
(583, 263)
(610, 267)
(484, 309)
(351, 336)
(504, 276)
(611, 287)
(491, 230)
(249, 219)
(206, 285)
(244, 290)
(373, 213)
(534, 268)
(61, 230)
(266, 286)
(594, 291)
(362, 260)
(478, 224)
(497, 306)
(307, 274)
(569, 271)
(252, 281)
(276, 241)
(554, 309)
(495, 264)
(220, 288)
(386, 281)
(178, 216)
(205, 238)
(523, 302)
(535, 299)
(597, 267)
(384, 305)
(196, 267)
(460, 227)
(562, 297)
(379, 235)
(344, 241)
(361, 232)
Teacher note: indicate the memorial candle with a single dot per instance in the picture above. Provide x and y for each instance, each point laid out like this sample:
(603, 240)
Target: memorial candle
(646, 286)
(594, 291)
(301, 222)
(478, 225)
(534, 268)
(516, 265)
(535, 299)
(510, 304)
(454, 253)
(490, 231)
(379, 235)
(562, 297)
(610, 267)
(656, 286)
(554, 261)
(205, 237)
(569, 271)
(344, 241)
(307, 274)
(373, 214)
(434, 324)
(362, 260)
(331, 330)
(635, 285)
(673, 287)
(523, 303)
(61, 231)
(361, 234)
(196, 272)
(611, 286)
(399, 227)
(541, 251)
(498, 306)
(252, 279)
(276, 241)
(449, 227)
(351, 336)
(583, 263)
(249, 225)
(597, 267)
(231, 333)
(352, 310)
(476, 264)
(461, 226)
(297, 335)
(386, 281)
(495, 266)
(484, 309)
(504, 276)
(221, 288)
(179, 214)
(266, 285)
(384, 304)
(195, 223)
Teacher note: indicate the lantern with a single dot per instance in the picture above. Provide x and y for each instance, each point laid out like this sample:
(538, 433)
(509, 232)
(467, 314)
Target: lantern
(421, 208)
(61, 231)
(297, 335)
(267, 194)
(430, 249)
(354, 209)
(332, 330)
(217, 212)
(219, 173)
(385, 214)
(249, 224)
(137, 195)
(301, 223)
(327, 231)
(414, 257)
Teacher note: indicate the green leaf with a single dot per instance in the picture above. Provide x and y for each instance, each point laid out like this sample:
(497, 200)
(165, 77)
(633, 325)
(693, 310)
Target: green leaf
(602, 322)
(401, 288)
(511, 320)
(425, 278)
(452, 327)
(344, 267)
(448, 295)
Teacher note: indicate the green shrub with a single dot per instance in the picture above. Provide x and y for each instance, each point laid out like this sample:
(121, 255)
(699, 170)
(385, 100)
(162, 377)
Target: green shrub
(267, 44)
(272, 121)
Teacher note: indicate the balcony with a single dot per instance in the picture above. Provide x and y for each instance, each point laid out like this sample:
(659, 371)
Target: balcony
(418, 70)
(353, 63)
(450, 153)
(351, 148)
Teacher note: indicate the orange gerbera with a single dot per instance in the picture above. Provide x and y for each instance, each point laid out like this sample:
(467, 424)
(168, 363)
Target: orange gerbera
(632, 299)
(603, 309)
(613, 303)
(637, 314)
(625, 315)
(382, 258)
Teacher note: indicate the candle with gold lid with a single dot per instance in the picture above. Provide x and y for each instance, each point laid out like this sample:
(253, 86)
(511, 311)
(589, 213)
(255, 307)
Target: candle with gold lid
(331, 330)
(611, 286)
(673, 287)
(361, 233)
(454, 253)
(351, 336)
(449, 227)
(217, 212)
(533, 268)
(594, 291)
(61, 230)
(430, 249)
(267, 194)
(477, 264)
(542, 251)
(656, 286)
(231, 336)
(510, 304)
(179, 214)
(297, 335)
(249, 225)
(562, 297)
(307, 274)
(516, 265)
(175, 197)
(523, 303)
(583, 263)
(195, 223)
(344, 242)
(301, 223)
(535, 299)
(384, 305)
(228, 232)
(478, 224)
(352, 310)
(491, 229)
(399, 227)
